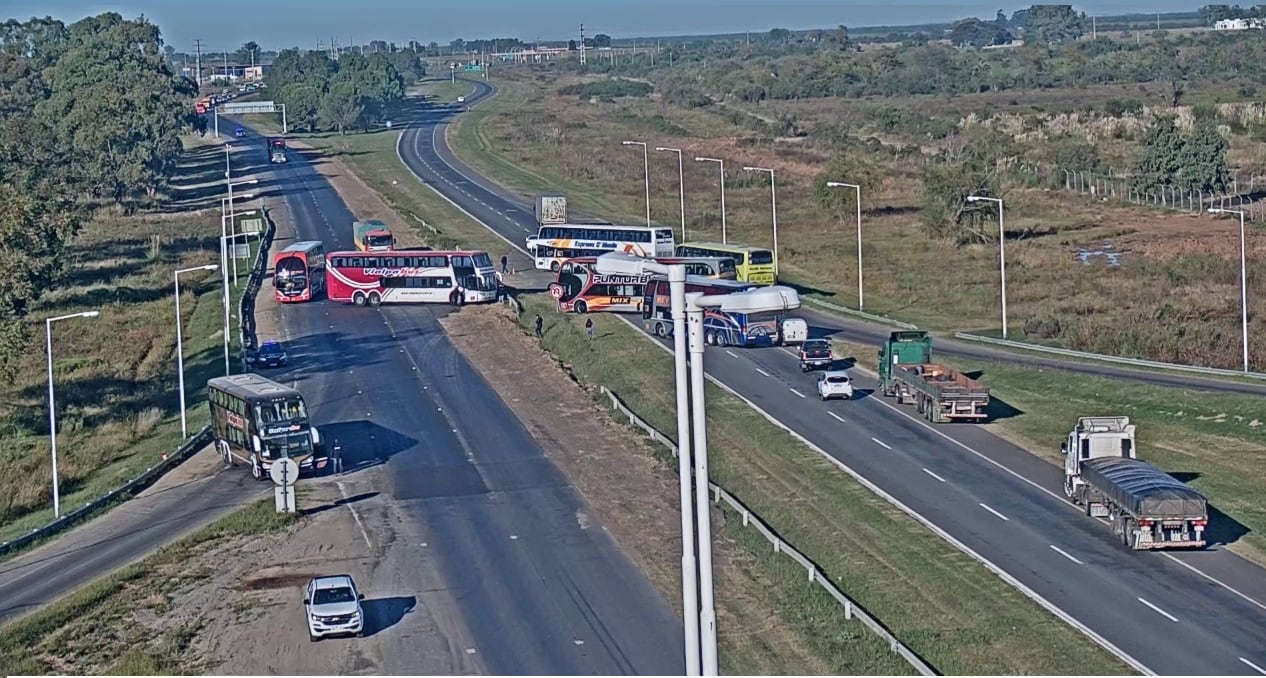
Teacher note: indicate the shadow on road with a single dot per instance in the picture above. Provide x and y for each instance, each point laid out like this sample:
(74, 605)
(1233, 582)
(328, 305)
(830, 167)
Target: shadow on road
(383, 613)
(341, 502)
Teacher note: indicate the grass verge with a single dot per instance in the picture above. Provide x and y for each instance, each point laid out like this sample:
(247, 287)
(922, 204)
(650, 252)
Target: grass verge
(941, 603)
(95, 630)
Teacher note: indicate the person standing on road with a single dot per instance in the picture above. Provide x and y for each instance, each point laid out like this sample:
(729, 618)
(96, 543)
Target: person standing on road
(336, 458)
(540, 323)
(589, 328)
(505, 264)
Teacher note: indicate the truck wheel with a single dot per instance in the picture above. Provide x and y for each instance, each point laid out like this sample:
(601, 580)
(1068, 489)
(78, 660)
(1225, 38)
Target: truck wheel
(358, 298)
(1125, 534)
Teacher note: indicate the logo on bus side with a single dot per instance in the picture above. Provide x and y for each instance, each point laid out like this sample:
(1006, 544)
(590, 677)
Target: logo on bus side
(393, 272)
(237, 422)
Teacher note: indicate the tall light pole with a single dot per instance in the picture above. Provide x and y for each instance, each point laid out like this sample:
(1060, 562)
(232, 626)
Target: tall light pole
(52, 407)
(646, 171)
(1002, 255)
(840, 184)
(681, 183)
(1243, 283)
(721, 162)
(230, 215)
(773, 205)
(180, 346)
(225, 242)
(623, 264)
(224, 266)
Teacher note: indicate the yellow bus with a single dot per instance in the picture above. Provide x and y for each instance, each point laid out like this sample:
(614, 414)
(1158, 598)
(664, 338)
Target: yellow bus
(751, 264)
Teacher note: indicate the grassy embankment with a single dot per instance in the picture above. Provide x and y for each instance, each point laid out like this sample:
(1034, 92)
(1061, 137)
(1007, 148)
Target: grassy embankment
(1217, 443)
(94, 629)
(945, 606)
(115, 375)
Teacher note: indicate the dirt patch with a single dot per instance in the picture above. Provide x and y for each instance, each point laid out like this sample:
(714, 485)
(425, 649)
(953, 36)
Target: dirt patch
(634, 495)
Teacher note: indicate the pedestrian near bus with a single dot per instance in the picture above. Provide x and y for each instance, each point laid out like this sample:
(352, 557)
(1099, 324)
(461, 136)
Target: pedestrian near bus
(336, 459)
(540, 323)
(505, 264)
(589, 328)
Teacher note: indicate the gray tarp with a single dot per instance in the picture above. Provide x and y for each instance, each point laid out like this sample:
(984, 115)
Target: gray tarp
(1143, 489)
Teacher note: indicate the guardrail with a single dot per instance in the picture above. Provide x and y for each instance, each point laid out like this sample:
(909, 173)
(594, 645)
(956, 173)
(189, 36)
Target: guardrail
(246, 304)
(1136, 362)
(861, 314)
(199, 440)
(750, 519)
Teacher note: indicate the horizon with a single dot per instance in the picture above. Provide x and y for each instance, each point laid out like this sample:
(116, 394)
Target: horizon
(222, 30)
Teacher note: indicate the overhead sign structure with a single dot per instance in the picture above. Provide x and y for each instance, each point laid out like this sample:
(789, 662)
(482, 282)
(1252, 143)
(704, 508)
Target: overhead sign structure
(247, 107)
(284, 472)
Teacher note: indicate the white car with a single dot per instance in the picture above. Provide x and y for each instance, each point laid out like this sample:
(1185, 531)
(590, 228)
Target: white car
(835, 384)
(333, 607)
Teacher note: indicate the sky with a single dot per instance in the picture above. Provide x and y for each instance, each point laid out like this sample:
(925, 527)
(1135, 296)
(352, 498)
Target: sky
(276, 24)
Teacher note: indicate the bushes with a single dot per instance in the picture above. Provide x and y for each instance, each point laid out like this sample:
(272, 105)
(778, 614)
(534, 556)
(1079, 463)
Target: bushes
(608, 89)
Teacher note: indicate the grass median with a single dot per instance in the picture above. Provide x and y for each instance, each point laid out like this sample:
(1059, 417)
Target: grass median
(945, 606)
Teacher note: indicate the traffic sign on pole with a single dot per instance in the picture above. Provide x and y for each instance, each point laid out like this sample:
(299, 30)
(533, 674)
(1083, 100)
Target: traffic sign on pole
(284, 472)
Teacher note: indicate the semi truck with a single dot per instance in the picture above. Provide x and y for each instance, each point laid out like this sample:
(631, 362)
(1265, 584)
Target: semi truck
(276, 148)
(372, 235)
(939, 393)
(1147, 508)
(551, 208)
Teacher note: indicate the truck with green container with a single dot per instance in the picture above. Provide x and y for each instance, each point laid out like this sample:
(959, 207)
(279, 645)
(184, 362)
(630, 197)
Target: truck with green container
(938, 392)
(372, 235)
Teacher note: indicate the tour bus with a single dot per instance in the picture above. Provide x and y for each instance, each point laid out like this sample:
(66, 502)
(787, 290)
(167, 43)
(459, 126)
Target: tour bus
(720, 328)
(752, 264)
(299, 272)
(258, 421)
(426, 276)
(580, 289)
(705, 267)
(553, 244)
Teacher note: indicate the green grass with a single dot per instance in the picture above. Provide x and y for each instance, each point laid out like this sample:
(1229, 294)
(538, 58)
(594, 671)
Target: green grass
(442, 90)
(96, 629)
(115, 375)
(944, 605)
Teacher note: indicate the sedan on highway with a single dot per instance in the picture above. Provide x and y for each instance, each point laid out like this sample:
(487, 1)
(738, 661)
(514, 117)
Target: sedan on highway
(333, 607)
(835, 384)
(271, 354)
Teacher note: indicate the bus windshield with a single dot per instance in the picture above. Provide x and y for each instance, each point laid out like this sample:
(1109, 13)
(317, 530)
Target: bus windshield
(279, 412)
(761, 257)
(291, 275)
(288, 445)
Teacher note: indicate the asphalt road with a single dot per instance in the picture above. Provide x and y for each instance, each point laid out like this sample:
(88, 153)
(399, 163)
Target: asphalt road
(539, 584)
(1201, 613)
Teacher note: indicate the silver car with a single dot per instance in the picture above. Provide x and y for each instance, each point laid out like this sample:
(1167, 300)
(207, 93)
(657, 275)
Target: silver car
(333, 607)
(835, 384)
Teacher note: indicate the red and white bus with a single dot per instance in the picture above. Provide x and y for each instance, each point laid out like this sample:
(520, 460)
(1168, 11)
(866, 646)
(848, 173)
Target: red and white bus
(581, 289)
(404, 276)
(299, 272)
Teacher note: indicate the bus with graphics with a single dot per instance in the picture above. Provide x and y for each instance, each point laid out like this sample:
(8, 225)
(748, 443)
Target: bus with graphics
(299, 272)
(720, 328)
(257, 421)
(580, 289)
(752, 264)
(553, 244)
(704, 267)
(410, 276)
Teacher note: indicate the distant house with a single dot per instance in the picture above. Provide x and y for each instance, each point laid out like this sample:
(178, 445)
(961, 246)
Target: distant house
(255, 73)
(1239, 24)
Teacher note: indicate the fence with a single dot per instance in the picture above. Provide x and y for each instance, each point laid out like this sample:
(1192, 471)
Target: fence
(861, 314)
(816, 576)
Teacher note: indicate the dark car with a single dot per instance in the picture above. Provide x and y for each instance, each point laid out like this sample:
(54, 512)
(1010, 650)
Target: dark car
(271, 354)
(815, 353)
(240, 132)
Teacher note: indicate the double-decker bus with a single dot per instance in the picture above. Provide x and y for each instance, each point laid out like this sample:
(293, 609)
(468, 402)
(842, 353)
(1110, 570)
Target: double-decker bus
(555, 243)
(299, 271)
(720, 328)
(258, 421)
(581, 289)
(752, 264)
(421, 276)
(705, 267)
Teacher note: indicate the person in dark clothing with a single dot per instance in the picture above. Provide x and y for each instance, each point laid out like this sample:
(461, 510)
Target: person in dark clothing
(336, 459)
(540, 323)
(589, 327)
(505, 264)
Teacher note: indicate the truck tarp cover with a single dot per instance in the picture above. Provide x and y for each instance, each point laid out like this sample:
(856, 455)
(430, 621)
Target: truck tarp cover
(1144, 489)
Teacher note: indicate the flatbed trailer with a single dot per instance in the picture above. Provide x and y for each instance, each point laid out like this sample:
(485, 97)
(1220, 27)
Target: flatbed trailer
(938, 392)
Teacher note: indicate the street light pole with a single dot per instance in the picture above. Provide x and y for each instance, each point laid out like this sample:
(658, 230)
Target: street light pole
(52, 406)
(1002, 254)
(834, 184)
(224, 265)
(773, 205)
(1243, 284)
(721, 162)
(681, 183)
(646, 172)
(180, 346)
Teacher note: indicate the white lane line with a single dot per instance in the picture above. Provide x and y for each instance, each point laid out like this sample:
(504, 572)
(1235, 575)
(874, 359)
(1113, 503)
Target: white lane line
(343, 491)
(762, 371)
(933, 475)
(1066, 554)
(732, 354)
(835, 416)
(990, 509)
(1202, 574)
(797, 393)
(1255, 667)
(1159, 611)
(881, 443)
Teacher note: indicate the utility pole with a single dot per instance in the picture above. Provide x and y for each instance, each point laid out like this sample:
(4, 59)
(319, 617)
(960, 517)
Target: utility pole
(197, 47)
(582, 45)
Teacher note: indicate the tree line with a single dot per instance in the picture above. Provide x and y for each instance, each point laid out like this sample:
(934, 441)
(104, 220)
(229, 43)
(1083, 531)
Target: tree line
(354, 90)
(90, 116)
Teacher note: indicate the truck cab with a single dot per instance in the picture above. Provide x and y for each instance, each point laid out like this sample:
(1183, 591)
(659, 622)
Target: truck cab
(1095, 438)
(902, 348)
(815, 353)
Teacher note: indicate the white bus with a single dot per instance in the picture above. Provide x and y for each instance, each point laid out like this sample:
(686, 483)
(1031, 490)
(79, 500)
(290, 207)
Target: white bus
(556, 243)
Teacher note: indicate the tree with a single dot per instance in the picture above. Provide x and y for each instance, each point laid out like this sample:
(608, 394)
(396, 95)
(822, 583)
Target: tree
(1202, 161)
(968, 167)
(1052, 24)
(341, 108)
(977, 33)
(302, 102)
(571, 46)
(602, 40)
(847, 167)
(248, 53)
(33, 234)
(778, 35)
(1162, 157)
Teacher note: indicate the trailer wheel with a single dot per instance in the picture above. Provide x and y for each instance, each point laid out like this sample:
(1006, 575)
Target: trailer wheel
(1125, 533)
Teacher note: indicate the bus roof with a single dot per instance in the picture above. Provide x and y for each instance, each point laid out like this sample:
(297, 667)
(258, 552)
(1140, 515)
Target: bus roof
(724, 247)
(306, 246)
(721, 284)
(252, 386)
(407, 253)
(606, 226)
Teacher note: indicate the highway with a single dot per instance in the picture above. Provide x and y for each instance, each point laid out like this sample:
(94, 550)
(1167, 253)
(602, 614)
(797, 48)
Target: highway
(539, 590)
(1199, 613)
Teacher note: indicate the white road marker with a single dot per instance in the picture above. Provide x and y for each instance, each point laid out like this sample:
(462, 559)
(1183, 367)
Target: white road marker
(762, 371)
(1159, 611)
(835, 416)
(797, 392)
(732, 354)
(933, 475)
(1066, 554)
(882, 443)
(990, 509)
(1255, 667)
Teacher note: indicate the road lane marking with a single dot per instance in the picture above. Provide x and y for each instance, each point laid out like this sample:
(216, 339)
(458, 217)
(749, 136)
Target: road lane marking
(933, 475)
(1159, 611)
(355, 516)
(1202, 574)
(1255, 667)
(762, 371)
(990, 509)
(881, 443)
(797, 393)
(732, 354)
(836, 416)
(1066, 554)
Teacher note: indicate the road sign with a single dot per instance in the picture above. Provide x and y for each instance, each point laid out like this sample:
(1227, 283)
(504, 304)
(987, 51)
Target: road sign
(256, 225)
(247, 107)
(284, 471)
(285, 496)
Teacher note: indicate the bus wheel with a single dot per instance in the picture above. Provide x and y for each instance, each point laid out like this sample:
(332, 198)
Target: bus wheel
(374, 299)
(708, 338)
(580, 307)
(358, 298)
(722, 340)
(553, 266)
(660, 330)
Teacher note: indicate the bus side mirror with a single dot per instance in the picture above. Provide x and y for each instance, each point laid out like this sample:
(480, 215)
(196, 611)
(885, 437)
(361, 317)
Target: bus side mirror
(1063, 448)
(316, 436)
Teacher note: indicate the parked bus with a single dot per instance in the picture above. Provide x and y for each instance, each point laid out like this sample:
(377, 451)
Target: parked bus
(299, 272)
(258, 421)
(752, 264)
(580, 289)
(424, 276)
(720, 328)
(705, 267)
(555, 243)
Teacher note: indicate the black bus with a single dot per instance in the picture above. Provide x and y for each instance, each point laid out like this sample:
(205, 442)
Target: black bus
(257, 421)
